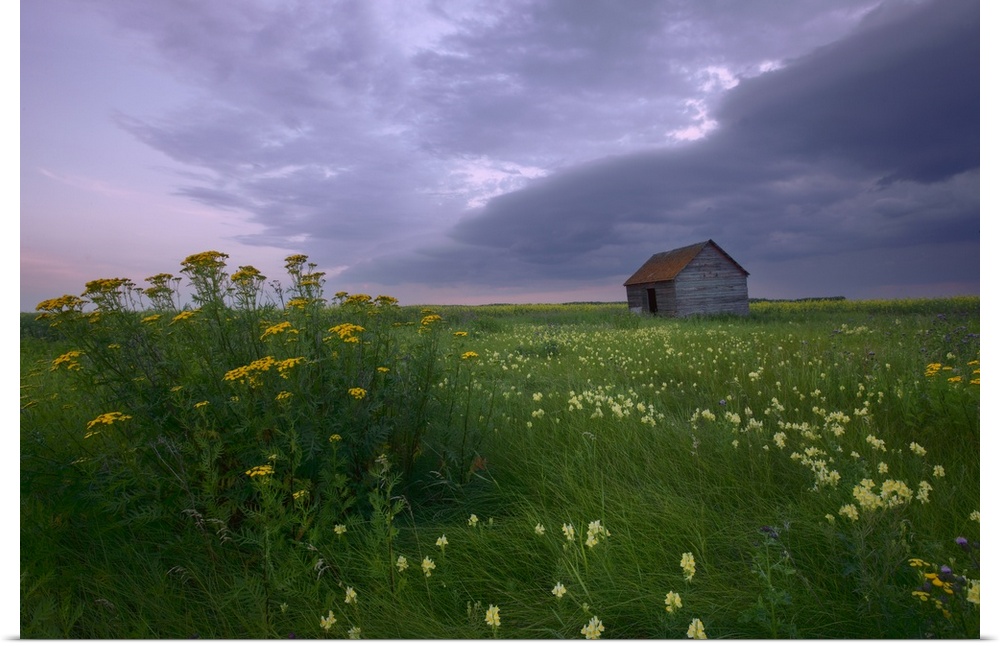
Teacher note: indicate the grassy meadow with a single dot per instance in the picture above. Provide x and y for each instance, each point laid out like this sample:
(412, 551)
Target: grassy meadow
(269, 460)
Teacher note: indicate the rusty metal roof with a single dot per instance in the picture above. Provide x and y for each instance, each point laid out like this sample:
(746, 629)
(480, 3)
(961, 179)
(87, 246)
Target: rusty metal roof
(666, 265)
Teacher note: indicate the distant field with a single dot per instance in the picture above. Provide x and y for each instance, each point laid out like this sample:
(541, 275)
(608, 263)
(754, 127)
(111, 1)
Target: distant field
(350, 467)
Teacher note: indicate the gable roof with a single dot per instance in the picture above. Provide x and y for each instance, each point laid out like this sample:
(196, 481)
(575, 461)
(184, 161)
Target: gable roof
(666, 265)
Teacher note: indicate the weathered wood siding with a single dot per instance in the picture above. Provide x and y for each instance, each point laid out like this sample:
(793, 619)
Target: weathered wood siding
(638, 297)
(711, 284)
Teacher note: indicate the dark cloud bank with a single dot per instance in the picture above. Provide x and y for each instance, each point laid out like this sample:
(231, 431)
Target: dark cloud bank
(852, 171)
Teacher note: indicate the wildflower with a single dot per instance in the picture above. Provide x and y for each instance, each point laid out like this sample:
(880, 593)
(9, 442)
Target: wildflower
(917, 449)
(249, 373)
(150, 319)
(849, 511)
(430, 319)
(441, 542)
(593, 629)
(427, 566)
(282, 396)
(108, 419)
(594, 532)
(278, 329)
(354, 633)
(883, 467)
(357, 393)
(186, 314)
(473, 520)
(69, 359)
(974, 516)
(568, 531)
(672, 601)
(469, 355)
(895, 492)
(923, 492)
(540, 529)
(359, 299)
(382, 369)
(919, 563)
(347, 332)
(339, 530)
(401, 563)
(326, 623)
(351, 596)
(973, 594)
(201, 404)
(559, 590)
(696, 630)
(779, 440)
(287, 364)
(299, 494)
(493, 616)
(262, 470)
(461, 334)
(687, 564)
(875, 442)
(938, 471)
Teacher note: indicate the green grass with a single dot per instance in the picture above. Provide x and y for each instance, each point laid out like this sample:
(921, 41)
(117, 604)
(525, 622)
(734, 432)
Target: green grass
(565, 414)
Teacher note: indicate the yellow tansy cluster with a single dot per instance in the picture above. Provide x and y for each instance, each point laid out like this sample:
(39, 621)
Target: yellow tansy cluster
(348, 332)
(183, 316)
(260, 471)
(358, 299)
(278, 328)
(205, 260)
(247, 275)
(67, 360)
(297, 303)
(63, 304)
(106, 419)
(250, 373)
(107, 285)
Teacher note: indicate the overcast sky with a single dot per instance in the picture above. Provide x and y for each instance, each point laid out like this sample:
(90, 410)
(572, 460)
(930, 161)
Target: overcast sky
(503, 151)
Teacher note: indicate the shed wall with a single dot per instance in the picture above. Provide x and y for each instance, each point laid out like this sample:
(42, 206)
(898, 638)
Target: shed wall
(638, 298)
(711, 284)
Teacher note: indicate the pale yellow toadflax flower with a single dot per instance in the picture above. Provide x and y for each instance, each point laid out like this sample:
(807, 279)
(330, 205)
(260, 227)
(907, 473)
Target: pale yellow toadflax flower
(593, 629)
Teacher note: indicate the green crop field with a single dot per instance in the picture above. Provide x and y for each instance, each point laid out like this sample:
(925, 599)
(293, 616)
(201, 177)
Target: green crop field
(274, 461)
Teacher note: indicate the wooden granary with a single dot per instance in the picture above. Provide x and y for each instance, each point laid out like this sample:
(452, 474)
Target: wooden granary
(697, 279)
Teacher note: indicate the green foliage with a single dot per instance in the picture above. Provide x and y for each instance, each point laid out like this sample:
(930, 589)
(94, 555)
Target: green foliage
(273, 463)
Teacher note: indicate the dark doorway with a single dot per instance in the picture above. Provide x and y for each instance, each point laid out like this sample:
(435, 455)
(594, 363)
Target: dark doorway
(651, 297)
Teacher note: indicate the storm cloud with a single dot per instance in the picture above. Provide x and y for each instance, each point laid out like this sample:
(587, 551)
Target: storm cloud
(866, 145)
(474, 152)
